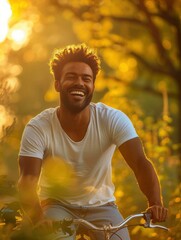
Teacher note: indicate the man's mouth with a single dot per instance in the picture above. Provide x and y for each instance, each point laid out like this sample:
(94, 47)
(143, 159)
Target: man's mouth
(77, 93)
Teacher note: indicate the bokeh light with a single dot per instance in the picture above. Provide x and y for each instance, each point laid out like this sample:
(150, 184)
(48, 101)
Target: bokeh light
(20, 33)
(5, 14)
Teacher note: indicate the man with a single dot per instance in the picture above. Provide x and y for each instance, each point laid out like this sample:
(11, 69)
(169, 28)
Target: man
(84, 136)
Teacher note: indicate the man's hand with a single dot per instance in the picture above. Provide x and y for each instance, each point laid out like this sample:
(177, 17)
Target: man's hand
(43, 226)
(158, 213)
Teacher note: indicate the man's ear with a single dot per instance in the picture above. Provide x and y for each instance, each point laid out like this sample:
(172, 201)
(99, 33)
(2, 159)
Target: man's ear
(57, 85)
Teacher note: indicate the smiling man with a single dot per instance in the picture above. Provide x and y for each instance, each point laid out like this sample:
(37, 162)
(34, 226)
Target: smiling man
(76, 86)
(82, 136)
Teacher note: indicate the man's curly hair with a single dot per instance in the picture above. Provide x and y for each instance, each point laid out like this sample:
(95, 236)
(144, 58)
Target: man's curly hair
(74, 53)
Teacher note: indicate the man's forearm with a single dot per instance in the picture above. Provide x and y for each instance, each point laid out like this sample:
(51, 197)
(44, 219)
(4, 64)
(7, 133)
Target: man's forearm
(149, 184)
(30, 202)
(32, 209)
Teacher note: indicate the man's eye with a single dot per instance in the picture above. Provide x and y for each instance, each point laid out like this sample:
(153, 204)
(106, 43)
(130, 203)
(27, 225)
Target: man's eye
(87, 79)
(70, 77)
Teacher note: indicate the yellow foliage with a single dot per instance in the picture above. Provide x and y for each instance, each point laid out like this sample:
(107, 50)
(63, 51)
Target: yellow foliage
(135, 230)
(119, 193)
(51, 95)
(151, 5)
(151, 49)
(162, 132)
(100, 83)
(67, 14)
(136, 45)
(124, 68)
(110, 7)
(112, 58)
(116, 38)
(107, 25)
(59, 175)
(167, 44)
(115, 87)
(57, 170)
(6, 119)
(115, 98)
(84, 35)
(3, 168)
(177, 200)
(100, 29)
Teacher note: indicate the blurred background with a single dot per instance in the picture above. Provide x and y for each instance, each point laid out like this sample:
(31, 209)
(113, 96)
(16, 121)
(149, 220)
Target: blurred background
(139, 43)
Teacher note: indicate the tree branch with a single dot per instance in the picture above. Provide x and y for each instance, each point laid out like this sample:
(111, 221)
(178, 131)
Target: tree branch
(145, 88)
(155, 33)
(170, 16)
(152, 67)
(124, 19)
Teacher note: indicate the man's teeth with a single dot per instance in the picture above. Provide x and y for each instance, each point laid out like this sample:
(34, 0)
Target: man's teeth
(78, 93)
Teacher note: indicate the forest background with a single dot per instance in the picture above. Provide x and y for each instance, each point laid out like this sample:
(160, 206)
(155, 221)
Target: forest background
(139, 42)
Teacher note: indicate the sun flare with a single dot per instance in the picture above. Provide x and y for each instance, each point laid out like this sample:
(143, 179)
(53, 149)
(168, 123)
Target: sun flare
(5, 14)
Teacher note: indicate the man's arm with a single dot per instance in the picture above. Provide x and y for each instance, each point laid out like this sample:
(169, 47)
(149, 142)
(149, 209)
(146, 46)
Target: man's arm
(134, 155)
(30, 169)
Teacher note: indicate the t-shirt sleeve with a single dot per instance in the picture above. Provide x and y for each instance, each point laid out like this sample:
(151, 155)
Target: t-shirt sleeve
(32, 142)
(122, 128)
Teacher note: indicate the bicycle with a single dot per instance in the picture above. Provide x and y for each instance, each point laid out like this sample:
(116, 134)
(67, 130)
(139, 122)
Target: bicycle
(13, 218)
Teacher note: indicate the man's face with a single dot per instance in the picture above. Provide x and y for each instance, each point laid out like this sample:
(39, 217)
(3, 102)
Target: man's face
(76, 86)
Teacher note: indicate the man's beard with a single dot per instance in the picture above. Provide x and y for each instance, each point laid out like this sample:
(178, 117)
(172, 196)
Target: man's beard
(75, 107)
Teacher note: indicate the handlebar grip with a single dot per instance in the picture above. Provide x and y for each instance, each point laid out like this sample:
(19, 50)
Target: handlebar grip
(148, 223)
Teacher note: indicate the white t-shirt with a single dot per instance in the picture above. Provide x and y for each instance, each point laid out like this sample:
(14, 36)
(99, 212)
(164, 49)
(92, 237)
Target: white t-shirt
(90, 182)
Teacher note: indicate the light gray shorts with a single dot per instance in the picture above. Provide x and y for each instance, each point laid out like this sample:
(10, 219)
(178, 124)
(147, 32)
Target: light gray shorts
(101, 215)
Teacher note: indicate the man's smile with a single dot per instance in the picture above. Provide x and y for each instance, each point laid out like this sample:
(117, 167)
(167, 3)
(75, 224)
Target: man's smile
(77, 93)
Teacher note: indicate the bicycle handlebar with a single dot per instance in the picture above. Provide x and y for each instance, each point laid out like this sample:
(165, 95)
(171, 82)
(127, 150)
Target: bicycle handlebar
(146, 216)
(9, 216)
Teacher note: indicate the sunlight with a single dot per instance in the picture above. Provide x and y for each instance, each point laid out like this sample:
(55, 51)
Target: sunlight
(19, 33)
(5, 14)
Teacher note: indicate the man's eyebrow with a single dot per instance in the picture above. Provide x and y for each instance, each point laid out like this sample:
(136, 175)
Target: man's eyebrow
(73, 73)
(87, 75)
(70, 73)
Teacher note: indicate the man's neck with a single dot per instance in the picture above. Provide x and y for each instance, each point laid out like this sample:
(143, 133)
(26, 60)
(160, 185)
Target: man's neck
(74, 124)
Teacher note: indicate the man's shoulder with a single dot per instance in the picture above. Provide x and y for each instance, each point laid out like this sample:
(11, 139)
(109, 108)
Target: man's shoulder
(43, 117)
(100, 106)
(104, 108)
(108, 114)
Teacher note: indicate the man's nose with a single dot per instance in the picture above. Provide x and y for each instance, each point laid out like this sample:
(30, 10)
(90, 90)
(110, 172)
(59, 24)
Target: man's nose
(79, 81)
